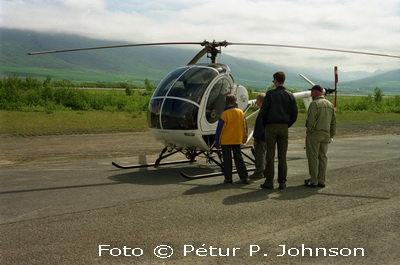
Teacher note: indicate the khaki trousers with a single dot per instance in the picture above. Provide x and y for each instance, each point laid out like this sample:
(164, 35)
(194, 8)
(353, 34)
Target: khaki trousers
(316, 150)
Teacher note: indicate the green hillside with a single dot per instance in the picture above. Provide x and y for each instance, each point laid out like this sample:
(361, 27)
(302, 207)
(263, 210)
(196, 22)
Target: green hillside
(130, 64)
(388, 82)
(135, 64)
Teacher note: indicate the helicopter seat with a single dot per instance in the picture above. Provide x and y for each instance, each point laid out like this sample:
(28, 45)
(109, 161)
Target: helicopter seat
(191, 92)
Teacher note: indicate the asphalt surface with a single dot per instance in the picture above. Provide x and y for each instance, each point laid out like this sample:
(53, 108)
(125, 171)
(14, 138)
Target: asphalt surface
(89, 212)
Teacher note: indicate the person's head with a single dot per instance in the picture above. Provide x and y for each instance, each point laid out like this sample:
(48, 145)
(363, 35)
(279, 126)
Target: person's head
(260, 99)
(231, 100)
(279, 79)
(317, 91)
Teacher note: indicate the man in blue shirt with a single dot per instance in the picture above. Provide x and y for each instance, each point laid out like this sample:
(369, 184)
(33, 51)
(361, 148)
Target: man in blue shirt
(259, 142)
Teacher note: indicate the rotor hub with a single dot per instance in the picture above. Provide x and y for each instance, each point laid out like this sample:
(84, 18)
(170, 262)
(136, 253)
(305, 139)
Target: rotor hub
(213, 48)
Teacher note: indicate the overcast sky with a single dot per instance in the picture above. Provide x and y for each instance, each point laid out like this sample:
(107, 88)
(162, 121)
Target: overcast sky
(360, 25)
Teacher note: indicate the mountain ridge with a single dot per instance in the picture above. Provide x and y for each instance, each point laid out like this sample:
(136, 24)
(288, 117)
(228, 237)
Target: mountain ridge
(153, 63)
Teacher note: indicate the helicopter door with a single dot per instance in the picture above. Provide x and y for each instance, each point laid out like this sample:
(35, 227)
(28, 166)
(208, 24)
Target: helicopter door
(215, 104)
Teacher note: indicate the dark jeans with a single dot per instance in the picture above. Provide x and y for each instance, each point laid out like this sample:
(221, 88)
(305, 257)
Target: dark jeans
(227, 151)
(276, 137)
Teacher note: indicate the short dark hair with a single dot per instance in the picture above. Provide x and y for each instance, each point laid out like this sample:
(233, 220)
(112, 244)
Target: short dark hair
(231, 99)
(280, 77)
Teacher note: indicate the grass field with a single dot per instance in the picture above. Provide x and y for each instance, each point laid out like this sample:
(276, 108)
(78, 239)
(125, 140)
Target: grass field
(70, 122)
(74, 122)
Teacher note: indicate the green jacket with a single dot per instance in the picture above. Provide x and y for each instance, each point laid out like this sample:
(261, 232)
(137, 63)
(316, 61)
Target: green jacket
(321, 117)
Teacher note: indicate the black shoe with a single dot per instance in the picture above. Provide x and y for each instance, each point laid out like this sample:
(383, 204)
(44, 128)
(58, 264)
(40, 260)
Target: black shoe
(227, 181)
(267, 187)
(282, 186)
(321, 185)
(308, 183)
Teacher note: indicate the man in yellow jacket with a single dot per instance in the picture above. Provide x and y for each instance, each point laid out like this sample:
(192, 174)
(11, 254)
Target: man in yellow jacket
(231, 133)
(321, 127)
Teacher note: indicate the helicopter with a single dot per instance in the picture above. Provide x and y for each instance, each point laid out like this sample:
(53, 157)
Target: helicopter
(184, 110)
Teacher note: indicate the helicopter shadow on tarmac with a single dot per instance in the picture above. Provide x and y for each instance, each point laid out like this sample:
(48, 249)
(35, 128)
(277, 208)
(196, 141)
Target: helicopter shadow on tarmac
(171, 175)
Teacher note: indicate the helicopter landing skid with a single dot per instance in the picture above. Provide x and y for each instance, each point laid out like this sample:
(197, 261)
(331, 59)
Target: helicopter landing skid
(152, 164)
(158, 161)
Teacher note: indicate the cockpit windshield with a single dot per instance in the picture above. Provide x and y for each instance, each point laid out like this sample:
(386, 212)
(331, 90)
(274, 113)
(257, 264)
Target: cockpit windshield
(186, 82)
(193, 83)
(168, 81)
(175, 103)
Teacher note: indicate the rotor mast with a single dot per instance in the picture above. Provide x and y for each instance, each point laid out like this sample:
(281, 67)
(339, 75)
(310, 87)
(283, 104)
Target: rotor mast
(214, 48)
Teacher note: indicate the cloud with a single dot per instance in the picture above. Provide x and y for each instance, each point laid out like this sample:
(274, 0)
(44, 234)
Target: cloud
(372, 26)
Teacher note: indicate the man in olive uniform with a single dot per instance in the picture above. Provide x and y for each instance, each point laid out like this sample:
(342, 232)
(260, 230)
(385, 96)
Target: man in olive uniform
(321, 127)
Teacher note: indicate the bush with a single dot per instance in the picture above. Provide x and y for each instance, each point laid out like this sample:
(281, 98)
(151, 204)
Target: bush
(378, 94)
(30, 94)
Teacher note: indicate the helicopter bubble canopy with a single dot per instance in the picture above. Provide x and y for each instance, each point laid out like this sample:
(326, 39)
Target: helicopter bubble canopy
(188, 102)
(176, 101)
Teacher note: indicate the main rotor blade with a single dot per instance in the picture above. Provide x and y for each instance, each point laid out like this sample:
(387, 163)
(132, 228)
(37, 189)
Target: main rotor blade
(313, 48)
(117, 46)
(215, 44)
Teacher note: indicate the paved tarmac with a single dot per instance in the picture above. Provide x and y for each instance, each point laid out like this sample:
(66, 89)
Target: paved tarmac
(89, 212)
